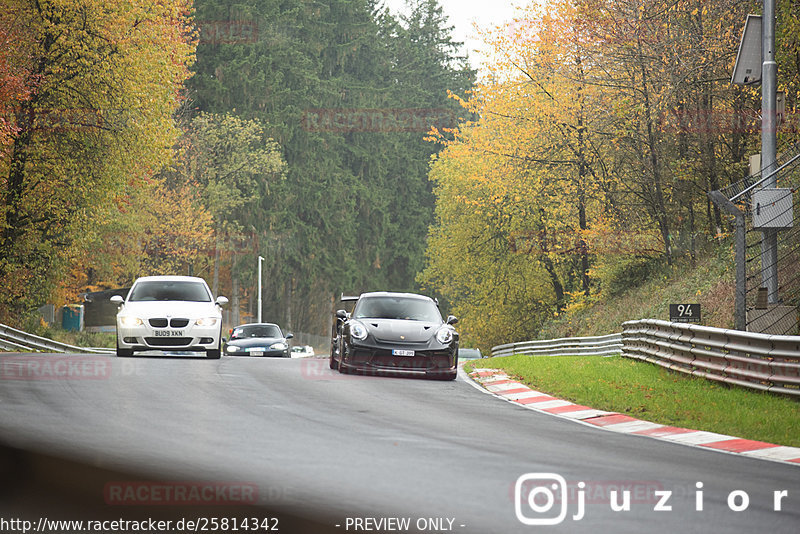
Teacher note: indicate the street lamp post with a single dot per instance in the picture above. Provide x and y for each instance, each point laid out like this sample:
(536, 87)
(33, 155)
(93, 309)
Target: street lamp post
(260, 259)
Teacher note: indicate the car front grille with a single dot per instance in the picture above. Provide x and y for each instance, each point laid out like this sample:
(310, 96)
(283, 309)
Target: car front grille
(168, 341)
(410, 363)
(162, 322)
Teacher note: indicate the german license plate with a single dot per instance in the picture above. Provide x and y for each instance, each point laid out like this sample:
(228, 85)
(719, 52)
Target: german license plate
(402, 352)
(168, 333)
(256, 352)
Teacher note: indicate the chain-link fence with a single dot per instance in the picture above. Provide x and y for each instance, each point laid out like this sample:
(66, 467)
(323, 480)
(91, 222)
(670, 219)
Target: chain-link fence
(770, 276)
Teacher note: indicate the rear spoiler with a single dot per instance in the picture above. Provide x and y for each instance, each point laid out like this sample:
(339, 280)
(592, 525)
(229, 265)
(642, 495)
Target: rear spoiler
(344, 298)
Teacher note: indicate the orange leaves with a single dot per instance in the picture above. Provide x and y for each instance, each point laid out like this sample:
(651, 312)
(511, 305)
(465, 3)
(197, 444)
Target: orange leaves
(87, 95)
(16, 82)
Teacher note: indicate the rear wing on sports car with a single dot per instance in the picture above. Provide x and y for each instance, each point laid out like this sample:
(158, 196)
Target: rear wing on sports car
(345, 298)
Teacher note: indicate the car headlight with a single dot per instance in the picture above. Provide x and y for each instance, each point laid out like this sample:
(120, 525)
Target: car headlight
(129, 321)
(358, 330)
(233, 348)
(279, 346)
(444, 335)
(206, 321)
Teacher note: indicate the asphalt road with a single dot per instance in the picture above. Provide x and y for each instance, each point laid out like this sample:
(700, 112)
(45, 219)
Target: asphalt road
(327, 447)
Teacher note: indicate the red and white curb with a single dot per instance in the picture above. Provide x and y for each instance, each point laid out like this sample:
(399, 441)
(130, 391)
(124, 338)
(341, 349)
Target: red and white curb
(500, 385)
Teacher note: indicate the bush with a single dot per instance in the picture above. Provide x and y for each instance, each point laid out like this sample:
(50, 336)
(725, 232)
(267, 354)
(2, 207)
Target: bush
(629, 273)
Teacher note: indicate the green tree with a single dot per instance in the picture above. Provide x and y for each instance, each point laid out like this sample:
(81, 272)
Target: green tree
(335, 83)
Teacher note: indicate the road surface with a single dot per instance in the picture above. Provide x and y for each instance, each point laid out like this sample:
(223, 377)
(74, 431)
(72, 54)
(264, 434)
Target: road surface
(351, 453)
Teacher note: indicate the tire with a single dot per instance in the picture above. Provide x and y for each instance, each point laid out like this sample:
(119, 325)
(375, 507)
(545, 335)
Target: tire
(332, 361)
(214, 354)
(342, 368)
(123, 353)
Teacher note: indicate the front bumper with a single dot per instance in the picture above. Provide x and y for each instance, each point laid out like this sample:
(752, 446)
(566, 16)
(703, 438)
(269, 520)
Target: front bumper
(379, 359)
(189, 338)
(253, 351)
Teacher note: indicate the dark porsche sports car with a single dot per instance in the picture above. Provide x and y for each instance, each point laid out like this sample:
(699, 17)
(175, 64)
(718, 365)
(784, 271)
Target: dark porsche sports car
(258, 339)
(395, 333)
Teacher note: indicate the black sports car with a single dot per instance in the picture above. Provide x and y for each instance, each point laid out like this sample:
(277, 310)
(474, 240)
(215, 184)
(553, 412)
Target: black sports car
(395, 333)
(258, 339)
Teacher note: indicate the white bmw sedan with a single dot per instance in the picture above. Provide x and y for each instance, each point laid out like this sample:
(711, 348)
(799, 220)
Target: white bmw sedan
(169, 313)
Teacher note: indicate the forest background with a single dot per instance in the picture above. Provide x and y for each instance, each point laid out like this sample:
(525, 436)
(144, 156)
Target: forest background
(357, 150)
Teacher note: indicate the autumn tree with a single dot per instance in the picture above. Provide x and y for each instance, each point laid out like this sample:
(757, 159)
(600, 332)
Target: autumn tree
(535, 182)
(104, 79)
(602, 125)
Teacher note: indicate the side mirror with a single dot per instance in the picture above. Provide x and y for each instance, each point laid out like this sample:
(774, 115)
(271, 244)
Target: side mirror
(289, 336)
(341, 314)
(118, 300)
(452, 319)
(221, 301)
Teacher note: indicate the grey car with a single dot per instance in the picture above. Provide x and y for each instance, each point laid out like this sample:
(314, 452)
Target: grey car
(258, 339)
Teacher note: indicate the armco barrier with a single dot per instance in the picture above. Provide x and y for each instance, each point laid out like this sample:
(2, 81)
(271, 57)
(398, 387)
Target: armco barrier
(17, 340)
(571, 346)
(758, 361)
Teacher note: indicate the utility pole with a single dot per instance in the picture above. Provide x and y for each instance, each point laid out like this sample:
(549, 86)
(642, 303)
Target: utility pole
(260, 259)
(769, 141)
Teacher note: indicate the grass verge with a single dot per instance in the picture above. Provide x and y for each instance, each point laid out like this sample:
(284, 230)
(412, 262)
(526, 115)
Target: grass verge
(652, 393)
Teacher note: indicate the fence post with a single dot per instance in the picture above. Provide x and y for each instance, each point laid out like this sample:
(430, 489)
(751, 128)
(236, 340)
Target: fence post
(740, 314)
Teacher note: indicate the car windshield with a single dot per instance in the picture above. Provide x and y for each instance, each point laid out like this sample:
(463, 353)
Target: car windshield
(162, 290)
(397, 308)
(256, 330)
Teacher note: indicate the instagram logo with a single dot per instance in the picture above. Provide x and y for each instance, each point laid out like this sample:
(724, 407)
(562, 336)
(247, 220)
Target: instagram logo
(540, 499)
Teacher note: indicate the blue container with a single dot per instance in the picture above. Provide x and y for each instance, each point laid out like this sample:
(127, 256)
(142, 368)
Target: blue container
(72, 318)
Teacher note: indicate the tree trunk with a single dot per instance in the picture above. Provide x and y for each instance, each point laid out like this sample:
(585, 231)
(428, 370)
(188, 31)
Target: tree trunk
(659, 207)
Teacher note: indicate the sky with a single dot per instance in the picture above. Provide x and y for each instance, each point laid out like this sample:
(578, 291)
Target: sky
(463, 13)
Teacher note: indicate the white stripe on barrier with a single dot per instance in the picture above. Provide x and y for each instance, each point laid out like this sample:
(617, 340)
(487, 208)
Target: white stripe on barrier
(633, 426)
(545, 405)
(700, 437)
(776, 453)
(525, 395)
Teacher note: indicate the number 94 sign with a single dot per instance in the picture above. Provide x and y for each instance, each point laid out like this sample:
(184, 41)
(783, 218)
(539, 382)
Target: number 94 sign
(684, 313)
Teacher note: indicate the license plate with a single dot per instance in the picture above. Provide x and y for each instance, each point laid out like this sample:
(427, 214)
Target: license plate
(168, 333)
(257, 352)
(402, 352)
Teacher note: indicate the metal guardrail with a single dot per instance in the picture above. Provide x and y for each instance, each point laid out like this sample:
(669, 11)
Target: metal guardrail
(572, 346)
(758, 361)
(17, 340)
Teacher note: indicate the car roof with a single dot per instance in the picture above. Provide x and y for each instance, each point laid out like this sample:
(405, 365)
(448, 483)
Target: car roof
(170, 278)
(255, 324)
(393, 294)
